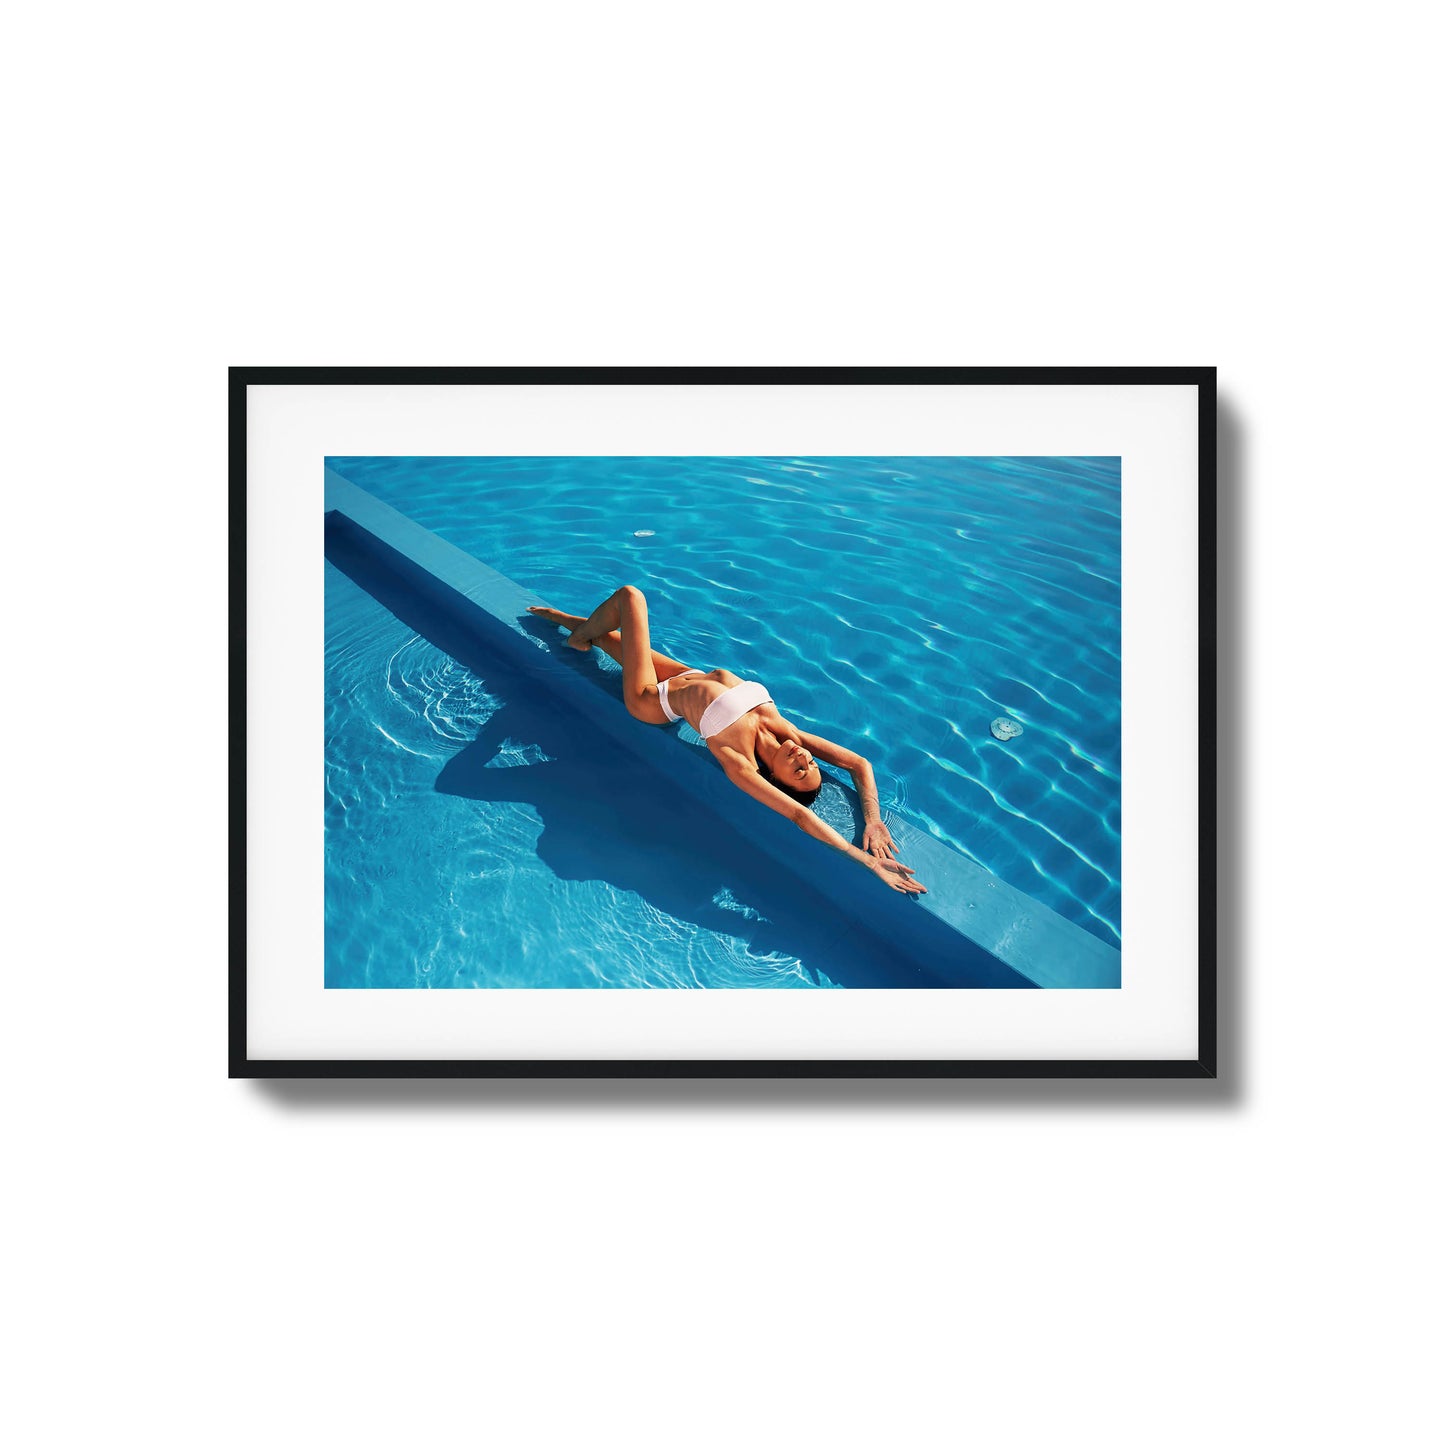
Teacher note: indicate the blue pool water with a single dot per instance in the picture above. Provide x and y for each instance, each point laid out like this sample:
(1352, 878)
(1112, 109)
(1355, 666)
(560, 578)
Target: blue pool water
(896, 605)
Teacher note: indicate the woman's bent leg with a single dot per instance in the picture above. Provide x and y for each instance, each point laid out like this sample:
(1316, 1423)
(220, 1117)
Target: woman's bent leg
(626, 611)
(611, 643)
(606, 618)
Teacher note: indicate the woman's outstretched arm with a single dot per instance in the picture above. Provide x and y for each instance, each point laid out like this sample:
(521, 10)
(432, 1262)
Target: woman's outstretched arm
(746, 776)
(876, 837)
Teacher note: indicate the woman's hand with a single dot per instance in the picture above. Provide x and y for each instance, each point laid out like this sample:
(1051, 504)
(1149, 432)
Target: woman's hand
(878, 841)
(895, 875)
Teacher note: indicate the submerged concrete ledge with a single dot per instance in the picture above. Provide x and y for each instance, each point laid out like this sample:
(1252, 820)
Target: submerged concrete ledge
(970, 930)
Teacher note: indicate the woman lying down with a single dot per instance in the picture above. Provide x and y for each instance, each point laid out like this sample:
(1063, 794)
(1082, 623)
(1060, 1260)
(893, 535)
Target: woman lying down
(760, 750)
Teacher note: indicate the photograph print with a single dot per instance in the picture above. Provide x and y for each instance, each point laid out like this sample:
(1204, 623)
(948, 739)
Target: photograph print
(722, 722)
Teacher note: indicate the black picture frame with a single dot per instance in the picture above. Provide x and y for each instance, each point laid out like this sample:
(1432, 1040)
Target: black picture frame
(1202, 1065)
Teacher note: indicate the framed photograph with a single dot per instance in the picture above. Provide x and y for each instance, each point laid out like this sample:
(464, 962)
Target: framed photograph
(683, 722)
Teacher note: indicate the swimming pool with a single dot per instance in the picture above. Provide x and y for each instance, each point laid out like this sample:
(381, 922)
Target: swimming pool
(896, 605)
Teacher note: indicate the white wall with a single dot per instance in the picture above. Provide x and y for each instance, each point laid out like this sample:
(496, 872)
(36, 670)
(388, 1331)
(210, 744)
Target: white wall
(1240, 184)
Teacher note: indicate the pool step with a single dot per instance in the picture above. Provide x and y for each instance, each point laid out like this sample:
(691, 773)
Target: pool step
(970, 930)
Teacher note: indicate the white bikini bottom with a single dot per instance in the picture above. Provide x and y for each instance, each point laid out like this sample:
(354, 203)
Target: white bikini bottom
(662, 691)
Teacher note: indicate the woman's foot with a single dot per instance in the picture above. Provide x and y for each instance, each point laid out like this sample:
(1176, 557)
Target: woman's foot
(569, 620)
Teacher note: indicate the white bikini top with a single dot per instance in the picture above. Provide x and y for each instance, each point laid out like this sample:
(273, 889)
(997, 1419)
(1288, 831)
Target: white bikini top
(724, 711)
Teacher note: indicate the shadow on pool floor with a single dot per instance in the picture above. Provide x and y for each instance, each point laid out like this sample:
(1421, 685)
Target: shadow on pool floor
(607, 817)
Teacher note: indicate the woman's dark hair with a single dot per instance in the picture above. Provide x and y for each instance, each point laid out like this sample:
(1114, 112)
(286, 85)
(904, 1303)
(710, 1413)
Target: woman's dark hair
(806, 799)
